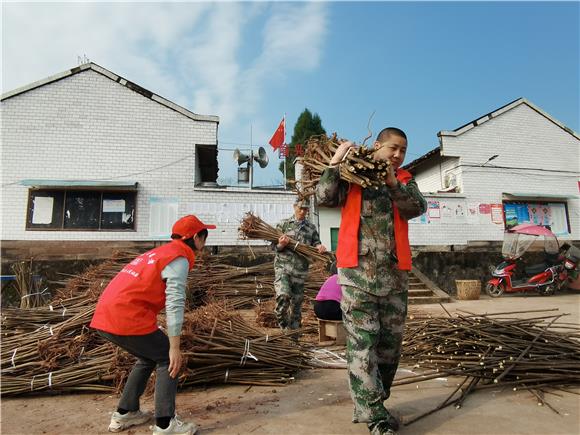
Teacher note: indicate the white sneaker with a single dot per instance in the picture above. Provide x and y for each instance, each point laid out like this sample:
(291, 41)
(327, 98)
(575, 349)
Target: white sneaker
(176, 427)
(121, 422)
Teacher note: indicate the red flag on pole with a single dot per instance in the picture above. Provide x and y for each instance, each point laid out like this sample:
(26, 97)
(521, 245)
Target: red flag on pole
(279, 135)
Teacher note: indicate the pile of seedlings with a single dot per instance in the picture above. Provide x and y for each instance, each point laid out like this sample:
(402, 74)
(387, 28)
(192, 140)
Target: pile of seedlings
(52, 348)
(537, 353)
(221, 278)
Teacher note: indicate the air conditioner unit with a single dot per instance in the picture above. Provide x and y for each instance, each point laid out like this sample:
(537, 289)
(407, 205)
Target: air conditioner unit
(450, 181)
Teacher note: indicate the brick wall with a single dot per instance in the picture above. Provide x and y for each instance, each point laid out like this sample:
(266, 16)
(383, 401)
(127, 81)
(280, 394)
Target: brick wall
(522, 137)
(88, 127)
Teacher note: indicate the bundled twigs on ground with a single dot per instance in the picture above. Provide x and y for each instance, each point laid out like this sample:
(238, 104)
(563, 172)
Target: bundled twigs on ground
(243, 287)
(218, 346)
(95, 278)
(31, 289)
(493, 350)
(52, 348)
(358, 166)
(222, 348)
(253, 227)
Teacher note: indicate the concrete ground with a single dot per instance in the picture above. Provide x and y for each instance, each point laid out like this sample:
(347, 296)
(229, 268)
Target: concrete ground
(318, 402)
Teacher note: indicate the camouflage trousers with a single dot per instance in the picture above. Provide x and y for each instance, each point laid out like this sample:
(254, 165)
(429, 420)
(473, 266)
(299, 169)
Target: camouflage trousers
(374, 335)
(289, 297)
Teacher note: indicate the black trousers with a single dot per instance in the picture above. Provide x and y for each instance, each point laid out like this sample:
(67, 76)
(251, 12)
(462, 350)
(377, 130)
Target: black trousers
(328, 310)
(152, 352)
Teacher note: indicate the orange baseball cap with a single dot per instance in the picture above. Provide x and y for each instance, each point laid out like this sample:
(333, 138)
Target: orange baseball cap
(188, 226)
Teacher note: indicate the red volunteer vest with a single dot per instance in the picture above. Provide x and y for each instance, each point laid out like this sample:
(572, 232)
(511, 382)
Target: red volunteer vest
(347, 249)
(130, 303)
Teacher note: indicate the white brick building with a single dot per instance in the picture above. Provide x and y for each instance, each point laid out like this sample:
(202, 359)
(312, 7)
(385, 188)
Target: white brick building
(511, 165)
(90, 156)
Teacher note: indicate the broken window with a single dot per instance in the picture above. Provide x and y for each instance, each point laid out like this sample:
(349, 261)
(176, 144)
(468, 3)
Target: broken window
(206, 173)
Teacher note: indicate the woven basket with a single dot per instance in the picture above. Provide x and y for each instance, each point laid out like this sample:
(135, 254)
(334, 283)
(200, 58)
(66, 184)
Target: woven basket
(468, 289)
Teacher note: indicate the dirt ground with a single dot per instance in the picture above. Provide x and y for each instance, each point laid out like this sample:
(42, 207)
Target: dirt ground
(318, 402)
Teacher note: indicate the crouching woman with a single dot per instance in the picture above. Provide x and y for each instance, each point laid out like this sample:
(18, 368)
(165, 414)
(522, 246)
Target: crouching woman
(126, 315)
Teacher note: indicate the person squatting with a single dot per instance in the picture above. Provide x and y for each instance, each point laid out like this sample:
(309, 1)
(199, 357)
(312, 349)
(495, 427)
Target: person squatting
(126, 315)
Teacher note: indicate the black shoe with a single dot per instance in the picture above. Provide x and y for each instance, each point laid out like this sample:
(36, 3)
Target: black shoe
(381, 428)
(393, 421)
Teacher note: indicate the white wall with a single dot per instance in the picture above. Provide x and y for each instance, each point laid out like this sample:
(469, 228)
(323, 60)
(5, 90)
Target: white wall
(88, 127)
(430, 174)
(521, 137)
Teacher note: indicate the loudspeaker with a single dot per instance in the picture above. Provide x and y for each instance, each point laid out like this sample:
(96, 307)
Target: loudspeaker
(240, 158)
(261, 157)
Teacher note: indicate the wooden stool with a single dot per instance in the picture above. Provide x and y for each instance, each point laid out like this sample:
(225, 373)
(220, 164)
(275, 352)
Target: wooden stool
(331, 330)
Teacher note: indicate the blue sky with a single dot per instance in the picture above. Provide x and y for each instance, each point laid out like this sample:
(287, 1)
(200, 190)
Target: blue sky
(421, 66)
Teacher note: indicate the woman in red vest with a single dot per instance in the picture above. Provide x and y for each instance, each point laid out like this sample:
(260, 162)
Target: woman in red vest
(126, 315)
(373, 259)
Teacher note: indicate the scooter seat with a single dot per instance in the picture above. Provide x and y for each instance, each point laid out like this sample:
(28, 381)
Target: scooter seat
(534, 269)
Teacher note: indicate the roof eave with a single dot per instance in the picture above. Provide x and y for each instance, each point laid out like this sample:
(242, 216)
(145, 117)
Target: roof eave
(420, 160)
(464, 128)
(116, 78)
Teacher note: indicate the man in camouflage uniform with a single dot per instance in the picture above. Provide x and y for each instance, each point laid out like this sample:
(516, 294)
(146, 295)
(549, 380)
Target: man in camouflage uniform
(374, 301)
(291, 268)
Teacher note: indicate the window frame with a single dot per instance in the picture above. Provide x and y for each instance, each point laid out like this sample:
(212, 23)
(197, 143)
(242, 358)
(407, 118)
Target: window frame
(528, 201)
(29, 226)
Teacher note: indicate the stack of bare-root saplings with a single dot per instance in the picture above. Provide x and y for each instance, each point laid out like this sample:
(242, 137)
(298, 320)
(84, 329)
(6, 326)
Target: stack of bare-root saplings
(217, 278)
(358, 166)
(220, 347)
(52, 348)
(240, 286)
(535, 351)
(253, 227)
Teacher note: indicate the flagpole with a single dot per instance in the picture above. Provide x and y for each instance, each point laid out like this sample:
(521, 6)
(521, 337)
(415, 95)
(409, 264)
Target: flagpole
(285, 152)
(250, 162)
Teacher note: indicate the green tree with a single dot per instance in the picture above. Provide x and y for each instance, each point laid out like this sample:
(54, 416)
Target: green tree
(307, 125)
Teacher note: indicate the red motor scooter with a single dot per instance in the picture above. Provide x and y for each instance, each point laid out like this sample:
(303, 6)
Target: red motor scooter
(512, 275)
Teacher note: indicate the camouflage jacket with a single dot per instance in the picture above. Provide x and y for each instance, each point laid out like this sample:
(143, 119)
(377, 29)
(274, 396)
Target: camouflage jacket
(377, 271)
(287, 261)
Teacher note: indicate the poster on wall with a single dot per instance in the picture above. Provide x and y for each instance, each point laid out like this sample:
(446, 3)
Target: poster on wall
(417, 220)
(459, 213)
(447, 213)
(523, 214)
(497, 213)
(433, 209)
(540, 214)
(559, 222)
(511, 215)
(516, 214)
(472, 213)
(162, 216)
(42, 211)
(484, 213)
(113, 206)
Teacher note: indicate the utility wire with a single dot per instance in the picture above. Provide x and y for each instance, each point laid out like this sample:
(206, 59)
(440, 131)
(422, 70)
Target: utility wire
(121, 176)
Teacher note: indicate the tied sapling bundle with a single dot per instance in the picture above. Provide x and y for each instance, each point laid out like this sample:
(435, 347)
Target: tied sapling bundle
(252, 227)
(357, 166)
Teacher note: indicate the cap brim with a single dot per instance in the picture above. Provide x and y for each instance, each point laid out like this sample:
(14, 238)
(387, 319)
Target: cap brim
(210, 227)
